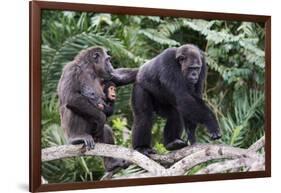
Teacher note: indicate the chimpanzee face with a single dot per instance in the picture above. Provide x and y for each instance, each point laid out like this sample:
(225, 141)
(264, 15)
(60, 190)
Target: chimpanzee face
(189, 59)
(102, 63)
(112, 93)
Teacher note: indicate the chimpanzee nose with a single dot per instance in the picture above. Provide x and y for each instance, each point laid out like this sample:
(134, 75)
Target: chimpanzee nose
(193, 74)
(110, 70)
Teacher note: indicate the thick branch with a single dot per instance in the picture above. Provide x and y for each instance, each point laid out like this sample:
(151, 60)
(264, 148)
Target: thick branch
(257, 145)
(227, 165)
(175, 156)
(104, 150)
(142, 175)
(251, 164)
(181, 160)
(212, 152)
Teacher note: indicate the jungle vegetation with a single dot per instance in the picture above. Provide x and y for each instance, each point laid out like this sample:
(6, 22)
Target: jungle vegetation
(234, 86)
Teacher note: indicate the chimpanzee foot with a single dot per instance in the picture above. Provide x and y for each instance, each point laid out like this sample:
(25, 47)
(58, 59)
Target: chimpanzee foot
(176, 144)
(215, 135)
(87, 140)
(113, 163)
(146, 150)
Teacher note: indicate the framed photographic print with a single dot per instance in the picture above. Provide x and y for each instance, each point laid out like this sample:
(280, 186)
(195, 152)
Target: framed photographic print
(125, 96)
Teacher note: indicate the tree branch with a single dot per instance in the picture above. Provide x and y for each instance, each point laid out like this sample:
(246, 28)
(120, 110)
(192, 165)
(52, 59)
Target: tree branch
(212, 152)
(175, 156)
(251, 164)
(104, 150)
(257, 145)
(180, 161)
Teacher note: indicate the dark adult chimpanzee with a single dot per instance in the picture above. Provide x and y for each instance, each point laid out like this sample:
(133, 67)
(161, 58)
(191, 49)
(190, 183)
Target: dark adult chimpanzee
(171, 85)
(81, 117)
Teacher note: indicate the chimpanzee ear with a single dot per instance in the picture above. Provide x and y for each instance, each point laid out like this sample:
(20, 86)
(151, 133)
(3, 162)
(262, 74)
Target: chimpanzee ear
(203, 57)
(199, 87)
(179, 58)
(108, 52)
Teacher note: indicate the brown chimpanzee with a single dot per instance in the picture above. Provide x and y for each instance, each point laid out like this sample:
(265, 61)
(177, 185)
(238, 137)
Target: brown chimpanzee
(171, 85)
(81, 117)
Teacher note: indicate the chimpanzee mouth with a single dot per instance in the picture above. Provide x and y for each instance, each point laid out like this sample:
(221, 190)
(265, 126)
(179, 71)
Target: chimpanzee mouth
(192, 80)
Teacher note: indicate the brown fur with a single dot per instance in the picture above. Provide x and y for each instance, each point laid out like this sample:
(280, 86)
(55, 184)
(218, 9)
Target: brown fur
(81, 120)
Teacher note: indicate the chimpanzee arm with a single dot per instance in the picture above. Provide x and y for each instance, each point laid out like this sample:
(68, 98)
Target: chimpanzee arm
(91, 95)
(192, 108)
(195, 110)
(83, 107)
(124, 76)
(86, 94)
(108, 109)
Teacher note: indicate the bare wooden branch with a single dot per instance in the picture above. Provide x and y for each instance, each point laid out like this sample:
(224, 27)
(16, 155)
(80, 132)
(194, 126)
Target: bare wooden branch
(221, 167)
(257, 165)
(232, 165)
(180, 161)
(104, 150)
(257, 145)
(142, 175)
(175, 156)
(212, 152)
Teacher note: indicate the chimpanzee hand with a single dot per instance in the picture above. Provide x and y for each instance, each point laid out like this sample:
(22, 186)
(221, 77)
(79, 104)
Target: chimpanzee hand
(113, 163)
(215, 135)
(101, 106)
(88, 141)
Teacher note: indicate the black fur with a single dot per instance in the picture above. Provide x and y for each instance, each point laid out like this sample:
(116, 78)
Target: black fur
(109, 104)
(171, 84)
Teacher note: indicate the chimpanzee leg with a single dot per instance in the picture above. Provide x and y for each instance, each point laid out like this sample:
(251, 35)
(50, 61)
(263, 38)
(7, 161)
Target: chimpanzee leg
(143, 112)
(190, 130)
(111, 163)
(173, 131)
(195, 109)
(77, 129)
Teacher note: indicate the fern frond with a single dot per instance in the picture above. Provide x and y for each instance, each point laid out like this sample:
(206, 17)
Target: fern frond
(158, 37)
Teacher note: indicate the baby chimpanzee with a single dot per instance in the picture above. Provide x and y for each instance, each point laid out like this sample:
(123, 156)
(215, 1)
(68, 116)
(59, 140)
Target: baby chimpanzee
(109, 89)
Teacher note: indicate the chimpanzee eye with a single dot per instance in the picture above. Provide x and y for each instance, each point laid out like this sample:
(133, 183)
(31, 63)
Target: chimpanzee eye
(194, 68)
(181, 59)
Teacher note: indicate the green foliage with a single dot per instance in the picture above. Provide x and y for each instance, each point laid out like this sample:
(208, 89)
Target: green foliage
(160, 148)
(121, 132)
(234, 87)
(131, 170)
